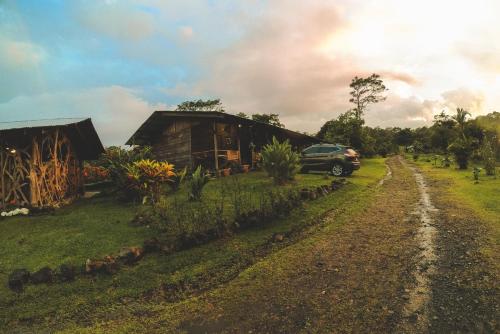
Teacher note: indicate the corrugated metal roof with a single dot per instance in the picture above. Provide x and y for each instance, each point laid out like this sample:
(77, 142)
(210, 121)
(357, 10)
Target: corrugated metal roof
(40, 123)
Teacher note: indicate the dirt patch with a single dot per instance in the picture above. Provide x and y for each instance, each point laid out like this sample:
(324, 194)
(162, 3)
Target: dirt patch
(416, 310)
(465, 287)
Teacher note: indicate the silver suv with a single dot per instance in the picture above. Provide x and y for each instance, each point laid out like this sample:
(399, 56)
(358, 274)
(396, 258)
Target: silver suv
(335, 158)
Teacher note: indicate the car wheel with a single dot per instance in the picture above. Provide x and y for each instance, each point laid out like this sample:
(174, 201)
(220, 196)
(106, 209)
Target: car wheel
(337, 169)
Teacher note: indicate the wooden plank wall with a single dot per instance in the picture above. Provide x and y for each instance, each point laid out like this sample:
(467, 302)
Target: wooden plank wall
(174, 145)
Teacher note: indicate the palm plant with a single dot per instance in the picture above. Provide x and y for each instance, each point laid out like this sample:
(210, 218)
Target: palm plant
(461, 118)
(280, 161)
(196, 184)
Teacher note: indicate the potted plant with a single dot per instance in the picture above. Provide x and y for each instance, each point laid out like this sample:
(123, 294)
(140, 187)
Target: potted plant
(226, 171)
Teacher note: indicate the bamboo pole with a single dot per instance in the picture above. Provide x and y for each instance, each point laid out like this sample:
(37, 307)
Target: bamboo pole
(216, 153)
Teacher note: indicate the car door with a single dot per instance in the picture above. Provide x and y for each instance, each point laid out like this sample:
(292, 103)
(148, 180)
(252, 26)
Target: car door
(324, 157)
(309, 157)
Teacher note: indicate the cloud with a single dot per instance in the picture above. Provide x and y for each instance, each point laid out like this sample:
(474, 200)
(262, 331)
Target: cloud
(116, 111)
(119, 20)
(186, 32)
(20, 54)
(472, 101)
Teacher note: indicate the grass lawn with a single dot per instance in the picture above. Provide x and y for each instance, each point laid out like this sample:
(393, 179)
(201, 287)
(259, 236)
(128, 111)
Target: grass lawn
(482, 197)
(96, 227)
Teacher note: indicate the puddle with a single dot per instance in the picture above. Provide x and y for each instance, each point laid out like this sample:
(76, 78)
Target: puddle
(416, 310)
(387, 176)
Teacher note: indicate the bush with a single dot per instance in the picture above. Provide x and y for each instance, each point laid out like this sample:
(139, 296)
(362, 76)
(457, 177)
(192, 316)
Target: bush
(196, 184)
(116, 161)
(178, 179)
(94, 174)
(462, 151)
(280, 162)
(148, 176)
(488, 157)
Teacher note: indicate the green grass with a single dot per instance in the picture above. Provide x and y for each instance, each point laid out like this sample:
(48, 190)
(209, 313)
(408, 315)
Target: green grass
(482, 197)
(94, 228)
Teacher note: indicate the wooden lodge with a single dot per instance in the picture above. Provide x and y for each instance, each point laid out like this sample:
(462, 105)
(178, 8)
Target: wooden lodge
(210, 139)
(41, 162)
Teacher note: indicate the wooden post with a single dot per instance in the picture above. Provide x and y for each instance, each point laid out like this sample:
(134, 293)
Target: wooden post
(239, 142)
(216, 152)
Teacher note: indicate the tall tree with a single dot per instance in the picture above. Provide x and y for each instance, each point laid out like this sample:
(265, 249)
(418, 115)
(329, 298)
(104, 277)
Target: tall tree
(273, 119)
(461, 118)
(366, 91)
(201, 105)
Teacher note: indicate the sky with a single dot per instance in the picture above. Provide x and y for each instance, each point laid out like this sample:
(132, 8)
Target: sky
(118, 61)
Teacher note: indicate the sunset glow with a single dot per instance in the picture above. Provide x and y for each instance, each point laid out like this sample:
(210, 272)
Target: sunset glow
(288, 57)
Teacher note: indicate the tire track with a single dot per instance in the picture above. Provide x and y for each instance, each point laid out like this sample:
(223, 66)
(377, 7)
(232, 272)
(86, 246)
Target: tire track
(416, 311)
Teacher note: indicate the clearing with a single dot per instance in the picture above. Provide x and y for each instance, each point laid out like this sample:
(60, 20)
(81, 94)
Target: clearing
(415, 252)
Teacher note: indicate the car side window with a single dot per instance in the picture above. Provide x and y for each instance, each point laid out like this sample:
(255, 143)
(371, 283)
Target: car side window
(311, 150)
(326, 149)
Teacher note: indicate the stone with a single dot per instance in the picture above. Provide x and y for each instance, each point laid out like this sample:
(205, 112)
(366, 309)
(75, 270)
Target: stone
(111, 266)
(43, 275)
(151, 245)
(17, 279)
(93, 266)
(304, 194)
(130, 255)
(66, 272)
(278, 237)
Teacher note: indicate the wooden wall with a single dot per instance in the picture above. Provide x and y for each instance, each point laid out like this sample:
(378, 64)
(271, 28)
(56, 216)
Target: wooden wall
(174, 144)
(45, 174)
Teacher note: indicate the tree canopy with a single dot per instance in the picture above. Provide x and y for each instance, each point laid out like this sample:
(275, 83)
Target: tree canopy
(366, 91)
(201, 105)
(273, 119)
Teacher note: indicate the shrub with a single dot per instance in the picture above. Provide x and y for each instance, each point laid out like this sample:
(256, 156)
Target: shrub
(148, 177)
(116, 161)
(488, 157)
(94, 174)
(196, 184)
(178, 179)
(462, 150)
(279, 161)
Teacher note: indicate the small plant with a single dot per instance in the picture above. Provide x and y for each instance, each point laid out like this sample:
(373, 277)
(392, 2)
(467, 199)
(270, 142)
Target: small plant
(148, 176)
(488, 157)
(462, 150)
(446, 162)
(196, 184)
(178, 179)
(435, 158)
(476, 172)
(415, 156)
(280, 161)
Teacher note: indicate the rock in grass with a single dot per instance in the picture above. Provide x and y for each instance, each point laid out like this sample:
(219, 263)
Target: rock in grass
(304, 194)
(278, 237)
(94, 266)
(130, 255)
(17, 279)
(151, 245)
(66, 272)
(43, 275)
(111, 266)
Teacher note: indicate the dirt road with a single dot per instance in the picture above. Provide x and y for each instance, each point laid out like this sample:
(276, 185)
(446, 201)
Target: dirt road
(405, 264)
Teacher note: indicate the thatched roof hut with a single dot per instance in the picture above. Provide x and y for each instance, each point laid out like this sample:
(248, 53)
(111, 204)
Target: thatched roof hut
(41, 162)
